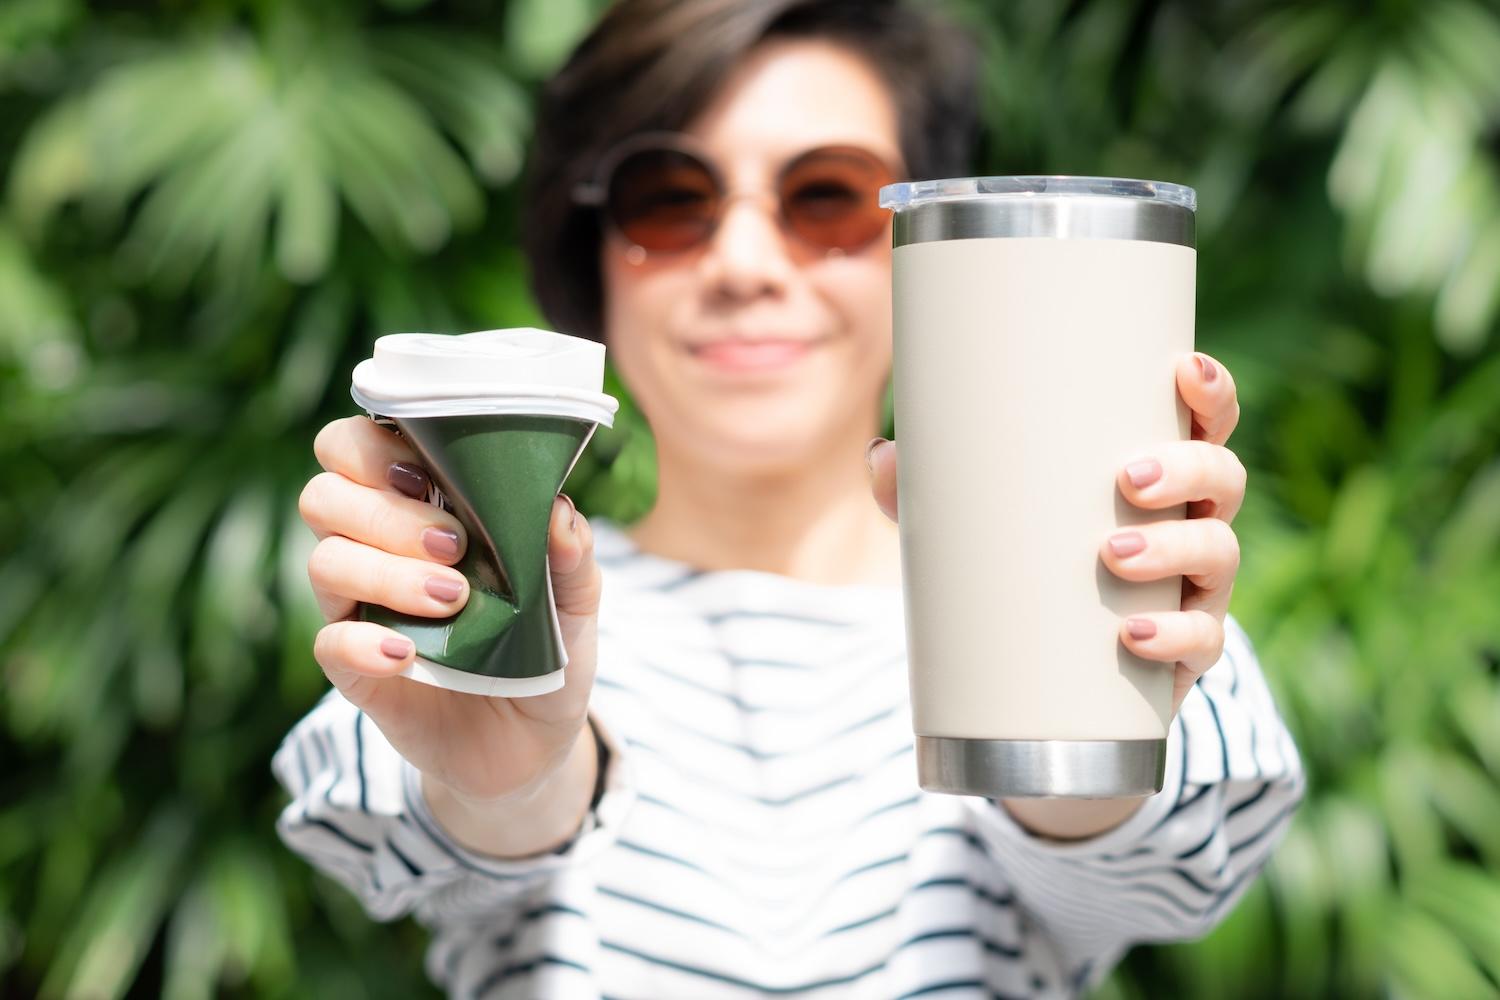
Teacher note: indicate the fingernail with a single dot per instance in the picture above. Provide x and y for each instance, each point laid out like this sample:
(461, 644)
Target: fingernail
(440, 543)
(1128, 543)
(1143, 473)
(395, 647)
(1209, 369)
(1140, 628)
(572, 512)
(870, 452)
(444, 589)
(408, 479)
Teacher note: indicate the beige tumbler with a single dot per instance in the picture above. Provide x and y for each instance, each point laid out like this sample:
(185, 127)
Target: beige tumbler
(1038, 324)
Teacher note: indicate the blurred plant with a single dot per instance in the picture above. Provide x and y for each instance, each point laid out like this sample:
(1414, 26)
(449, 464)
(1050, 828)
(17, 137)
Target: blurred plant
(207, 222)
(211, 213)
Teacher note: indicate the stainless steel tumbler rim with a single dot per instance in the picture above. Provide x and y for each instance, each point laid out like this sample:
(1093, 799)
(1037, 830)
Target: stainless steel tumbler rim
(1041, 768)
(1054, 216)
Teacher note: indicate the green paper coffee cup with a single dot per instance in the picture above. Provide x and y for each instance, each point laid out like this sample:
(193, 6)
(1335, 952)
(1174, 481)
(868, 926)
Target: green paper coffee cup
(498, 420)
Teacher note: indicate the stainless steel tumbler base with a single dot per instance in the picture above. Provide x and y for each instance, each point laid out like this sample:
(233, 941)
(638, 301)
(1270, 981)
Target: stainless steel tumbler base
(1041, 768)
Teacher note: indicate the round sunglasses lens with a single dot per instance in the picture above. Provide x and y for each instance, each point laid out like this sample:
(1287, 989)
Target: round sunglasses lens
(663, 199)
(830, 197)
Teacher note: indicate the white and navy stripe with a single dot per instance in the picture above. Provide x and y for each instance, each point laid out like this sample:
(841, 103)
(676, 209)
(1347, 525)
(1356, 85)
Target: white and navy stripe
(761, 833)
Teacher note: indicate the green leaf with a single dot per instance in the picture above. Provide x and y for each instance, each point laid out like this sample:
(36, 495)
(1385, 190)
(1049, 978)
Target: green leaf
(1466, 901)
(121, 915)
(1470, 800)
(1429, 960)
(1358, 522)
(540, 33)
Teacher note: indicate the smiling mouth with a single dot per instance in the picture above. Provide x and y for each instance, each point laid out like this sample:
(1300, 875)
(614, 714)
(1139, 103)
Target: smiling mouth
(752, 355)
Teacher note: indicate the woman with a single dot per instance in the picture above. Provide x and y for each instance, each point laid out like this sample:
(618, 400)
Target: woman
(720, 801)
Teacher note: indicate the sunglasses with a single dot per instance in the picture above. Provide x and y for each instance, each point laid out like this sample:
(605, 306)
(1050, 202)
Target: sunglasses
(665, 196)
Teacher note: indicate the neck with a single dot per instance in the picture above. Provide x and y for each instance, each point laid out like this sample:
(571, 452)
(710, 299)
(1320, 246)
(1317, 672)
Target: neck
(817, 521)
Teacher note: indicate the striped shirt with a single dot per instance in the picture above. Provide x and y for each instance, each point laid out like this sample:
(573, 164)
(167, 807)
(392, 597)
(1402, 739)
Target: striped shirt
(761, 833)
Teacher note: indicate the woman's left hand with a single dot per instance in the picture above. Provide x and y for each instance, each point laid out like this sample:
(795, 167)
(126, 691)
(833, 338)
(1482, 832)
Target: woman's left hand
(1202, 548)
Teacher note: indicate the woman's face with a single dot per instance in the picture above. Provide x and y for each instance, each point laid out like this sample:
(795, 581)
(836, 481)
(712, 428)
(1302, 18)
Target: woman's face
(679, 326)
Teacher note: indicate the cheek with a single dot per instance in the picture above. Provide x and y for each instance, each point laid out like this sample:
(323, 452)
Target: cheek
(638, 301)
(859, 290)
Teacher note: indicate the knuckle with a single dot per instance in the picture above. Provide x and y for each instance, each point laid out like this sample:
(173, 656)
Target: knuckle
(1230, 542)
(328, 440)
(1230, 466)
(317, 561)
(1223, 543)
(324, 561)
(382, 522)
(313, 500)
(1211, 633)
(388, 577)
(1202, 455)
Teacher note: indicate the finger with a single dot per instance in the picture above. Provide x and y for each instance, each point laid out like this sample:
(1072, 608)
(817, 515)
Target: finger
(1208, 475)
(335, 607)
(880, 457)
(576, 587)
(355, 571)
(333, 505)
(1204, 551)
(570, 554)
(361, 450)
(351, 651)
(1194, 639)
(1209, 391)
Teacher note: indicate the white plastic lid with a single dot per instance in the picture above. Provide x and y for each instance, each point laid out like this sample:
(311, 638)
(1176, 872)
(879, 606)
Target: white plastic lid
(909, 194)
(490, 372)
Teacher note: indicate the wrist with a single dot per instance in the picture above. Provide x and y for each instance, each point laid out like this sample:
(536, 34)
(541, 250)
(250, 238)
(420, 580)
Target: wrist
(535, 820)
(1071, 819)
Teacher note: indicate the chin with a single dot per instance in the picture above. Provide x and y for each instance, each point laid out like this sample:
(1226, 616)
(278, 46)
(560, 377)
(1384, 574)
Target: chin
(762, 440)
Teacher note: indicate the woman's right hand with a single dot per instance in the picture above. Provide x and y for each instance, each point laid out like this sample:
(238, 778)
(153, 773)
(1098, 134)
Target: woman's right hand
(380, 543)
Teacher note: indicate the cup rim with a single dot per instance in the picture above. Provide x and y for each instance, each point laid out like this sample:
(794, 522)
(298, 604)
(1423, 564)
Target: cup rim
(910, 194)
(494, 400)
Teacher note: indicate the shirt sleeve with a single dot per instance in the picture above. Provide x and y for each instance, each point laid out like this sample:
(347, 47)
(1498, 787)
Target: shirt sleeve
(357, 813)
(1177, 866)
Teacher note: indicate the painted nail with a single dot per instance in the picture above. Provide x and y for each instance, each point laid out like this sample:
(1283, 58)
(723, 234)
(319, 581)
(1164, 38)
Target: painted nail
(1209, 369)
(408, 479)
(1140, 628)
(1143, 473)
(395, 647)
(870, 452)
(444, 589)
(572, 512)
(1128, 543)
(440, 543)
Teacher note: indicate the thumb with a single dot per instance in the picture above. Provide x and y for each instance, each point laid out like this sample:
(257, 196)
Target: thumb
(575, 574)
(575, 589)
(880, 456)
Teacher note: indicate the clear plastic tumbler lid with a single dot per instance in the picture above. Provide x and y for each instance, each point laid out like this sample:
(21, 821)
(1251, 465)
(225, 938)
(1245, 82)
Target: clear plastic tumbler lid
(909, 194)
(1060, 207)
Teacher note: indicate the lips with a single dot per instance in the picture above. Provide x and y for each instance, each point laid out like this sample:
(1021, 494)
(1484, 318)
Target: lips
(751, 355)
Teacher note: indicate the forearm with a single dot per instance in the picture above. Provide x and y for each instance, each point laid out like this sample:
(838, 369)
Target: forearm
(1071, 819)
(525, 824)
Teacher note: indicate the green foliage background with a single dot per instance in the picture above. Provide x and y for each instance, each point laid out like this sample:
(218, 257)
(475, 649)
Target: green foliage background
(211, 209)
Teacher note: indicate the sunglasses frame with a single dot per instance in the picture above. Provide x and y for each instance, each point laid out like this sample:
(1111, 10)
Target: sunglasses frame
(594, 192)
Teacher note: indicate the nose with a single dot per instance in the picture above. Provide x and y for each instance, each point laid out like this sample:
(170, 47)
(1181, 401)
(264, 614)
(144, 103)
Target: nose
(747, 256)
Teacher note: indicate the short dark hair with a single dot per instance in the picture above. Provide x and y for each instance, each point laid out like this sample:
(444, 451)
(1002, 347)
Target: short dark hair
(655, 64)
